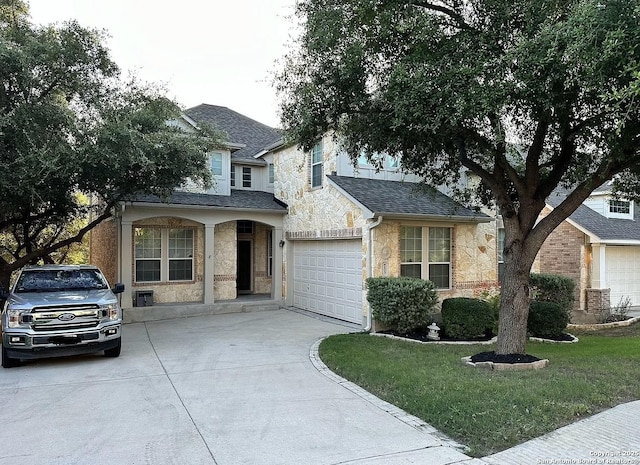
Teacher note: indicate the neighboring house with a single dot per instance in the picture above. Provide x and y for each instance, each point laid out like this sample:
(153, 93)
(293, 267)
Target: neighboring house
(598, 246)
(306, 228)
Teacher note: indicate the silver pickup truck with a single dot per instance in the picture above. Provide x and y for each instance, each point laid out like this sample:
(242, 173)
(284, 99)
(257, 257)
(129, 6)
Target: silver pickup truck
(58, 310)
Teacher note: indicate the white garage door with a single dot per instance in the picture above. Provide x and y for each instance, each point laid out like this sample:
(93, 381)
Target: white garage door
(327, 278)
(623, 273)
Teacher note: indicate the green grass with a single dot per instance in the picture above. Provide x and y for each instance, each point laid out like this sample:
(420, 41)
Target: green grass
(490, 411)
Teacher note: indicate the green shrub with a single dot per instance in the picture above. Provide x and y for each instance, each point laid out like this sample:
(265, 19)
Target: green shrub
(553, 288)
(466, 318)
(403, 304)
(547, 319)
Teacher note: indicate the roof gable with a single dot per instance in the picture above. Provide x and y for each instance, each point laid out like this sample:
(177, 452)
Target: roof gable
(404, 199)
(243, 131)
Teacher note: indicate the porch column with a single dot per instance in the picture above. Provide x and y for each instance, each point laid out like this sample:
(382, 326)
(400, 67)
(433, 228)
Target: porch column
(209, 263)
(598, 266)
(276, 279)
(126, 263)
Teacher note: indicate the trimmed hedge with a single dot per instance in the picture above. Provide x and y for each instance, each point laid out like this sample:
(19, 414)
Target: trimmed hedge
(553, 288)
(547, 319)
(466, 318)
(404, 304)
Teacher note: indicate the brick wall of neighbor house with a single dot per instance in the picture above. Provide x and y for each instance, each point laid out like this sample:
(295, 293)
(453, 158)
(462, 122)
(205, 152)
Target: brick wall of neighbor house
(103, 248)
(226, 258)
(262, 280)
(564, 253)
(180, 291)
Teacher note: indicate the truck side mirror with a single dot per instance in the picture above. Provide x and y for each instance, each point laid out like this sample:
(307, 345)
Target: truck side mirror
(118, 288)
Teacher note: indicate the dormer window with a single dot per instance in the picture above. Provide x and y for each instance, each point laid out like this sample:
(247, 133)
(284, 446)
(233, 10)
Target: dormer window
(619, 206)
(620, 209)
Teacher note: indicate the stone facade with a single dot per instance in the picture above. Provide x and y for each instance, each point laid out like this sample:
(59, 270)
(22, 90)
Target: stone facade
(226, 260)
(166, 292)
(103, 245)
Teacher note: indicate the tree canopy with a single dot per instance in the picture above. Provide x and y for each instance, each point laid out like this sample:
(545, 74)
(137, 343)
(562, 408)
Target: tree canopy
(529, 96)
(69, 124)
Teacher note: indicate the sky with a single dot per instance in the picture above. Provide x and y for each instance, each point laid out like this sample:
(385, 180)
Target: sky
(202, 51)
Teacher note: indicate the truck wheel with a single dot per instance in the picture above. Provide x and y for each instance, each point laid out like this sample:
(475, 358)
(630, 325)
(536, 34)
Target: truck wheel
(115, 352)
(8, 362)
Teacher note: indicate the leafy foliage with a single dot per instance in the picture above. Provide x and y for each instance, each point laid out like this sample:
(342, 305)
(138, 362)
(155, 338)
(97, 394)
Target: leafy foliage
(404, 304)
(547, 319)
(553, 288)
(528, 97)
(467, 318)
(69, 124)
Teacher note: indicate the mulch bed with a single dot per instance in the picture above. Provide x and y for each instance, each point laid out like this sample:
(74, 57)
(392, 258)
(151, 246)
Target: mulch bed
(422, 336)
(504, 358)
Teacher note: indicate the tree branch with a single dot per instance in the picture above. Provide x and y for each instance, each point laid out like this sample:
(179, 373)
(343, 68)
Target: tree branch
(450, 12)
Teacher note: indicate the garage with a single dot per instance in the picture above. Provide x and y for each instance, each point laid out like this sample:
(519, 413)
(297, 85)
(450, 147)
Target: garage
(623, 273)
(327, 278)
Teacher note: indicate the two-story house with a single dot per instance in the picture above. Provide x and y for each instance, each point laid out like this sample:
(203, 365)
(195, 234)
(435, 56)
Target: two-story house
(598, 246)
(302, 228)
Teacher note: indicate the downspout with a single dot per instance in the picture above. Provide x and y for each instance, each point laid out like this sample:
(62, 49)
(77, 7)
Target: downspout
(370, 226)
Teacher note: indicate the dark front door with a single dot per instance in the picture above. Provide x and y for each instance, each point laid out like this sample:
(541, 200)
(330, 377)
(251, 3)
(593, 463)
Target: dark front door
(243, 282)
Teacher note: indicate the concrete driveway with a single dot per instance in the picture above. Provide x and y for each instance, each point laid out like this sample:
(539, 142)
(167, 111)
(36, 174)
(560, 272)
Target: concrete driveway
(226, 389)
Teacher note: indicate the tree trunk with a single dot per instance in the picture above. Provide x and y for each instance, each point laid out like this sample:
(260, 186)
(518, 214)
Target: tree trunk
(514, 308)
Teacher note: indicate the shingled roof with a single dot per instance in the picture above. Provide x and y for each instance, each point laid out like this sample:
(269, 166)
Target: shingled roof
(241, 129)
(606, 229)
(395, 198)
(239, 199)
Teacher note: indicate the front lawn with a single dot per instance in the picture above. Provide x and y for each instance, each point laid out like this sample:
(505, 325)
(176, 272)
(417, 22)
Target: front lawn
(490, 411)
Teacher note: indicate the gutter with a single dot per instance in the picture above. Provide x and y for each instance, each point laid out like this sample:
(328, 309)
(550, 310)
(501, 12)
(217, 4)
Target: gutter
(370, 227)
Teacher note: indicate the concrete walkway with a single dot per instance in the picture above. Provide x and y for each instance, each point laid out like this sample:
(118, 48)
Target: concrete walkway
(243, 389)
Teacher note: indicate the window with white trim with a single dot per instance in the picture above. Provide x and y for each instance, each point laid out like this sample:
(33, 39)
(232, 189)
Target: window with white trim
(316, 165)
(500, 254)
(216, 164)
(425, 252)
(270, 253)
(163, 255)
(180, 254)
(148, 254)
(272, 175)
(246, 176)
(233, 175)
(621, 207)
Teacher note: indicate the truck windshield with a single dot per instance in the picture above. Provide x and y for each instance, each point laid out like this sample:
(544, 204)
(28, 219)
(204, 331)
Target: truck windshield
(60, 280)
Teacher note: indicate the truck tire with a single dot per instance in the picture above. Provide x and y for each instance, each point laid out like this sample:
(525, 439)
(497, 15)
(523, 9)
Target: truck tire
(8, 362)
(115, 352)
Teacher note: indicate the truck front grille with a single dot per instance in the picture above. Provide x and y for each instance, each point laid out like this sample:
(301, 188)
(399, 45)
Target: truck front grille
(55, 318)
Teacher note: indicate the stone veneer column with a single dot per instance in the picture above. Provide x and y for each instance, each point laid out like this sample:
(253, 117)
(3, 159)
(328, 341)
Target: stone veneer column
(208, 263)
(126, 263)
(276, 279)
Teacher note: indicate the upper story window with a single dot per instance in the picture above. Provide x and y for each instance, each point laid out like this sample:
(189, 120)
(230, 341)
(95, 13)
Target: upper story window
(425, 252)
(619, 206)
(216, 164)
(620, 209)
(272, 175)
(379, 161)
(233, 175)
(246, 176)
(316, 165)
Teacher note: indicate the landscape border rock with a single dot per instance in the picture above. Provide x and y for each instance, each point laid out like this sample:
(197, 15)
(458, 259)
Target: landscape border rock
(597, 326)
(392, 336)
(538, 364)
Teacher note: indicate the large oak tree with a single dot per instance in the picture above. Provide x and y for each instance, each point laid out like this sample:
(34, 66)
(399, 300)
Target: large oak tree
(68, 125)
(529, 96)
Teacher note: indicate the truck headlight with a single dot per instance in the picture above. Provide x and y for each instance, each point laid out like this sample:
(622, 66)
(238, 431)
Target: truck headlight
(113, 312)
(14, 318)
